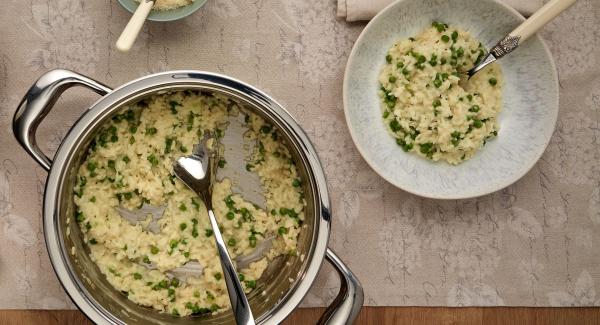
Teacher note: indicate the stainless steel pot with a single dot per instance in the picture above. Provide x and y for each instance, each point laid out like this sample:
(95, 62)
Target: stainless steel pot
(80, 277)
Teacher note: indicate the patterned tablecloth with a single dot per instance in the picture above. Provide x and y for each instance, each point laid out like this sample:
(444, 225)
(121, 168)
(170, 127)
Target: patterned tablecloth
(534, 243)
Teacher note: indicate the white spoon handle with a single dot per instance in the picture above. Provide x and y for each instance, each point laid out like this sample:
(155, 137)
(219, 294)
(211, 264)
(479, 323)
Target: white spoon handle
(134, 26)
(541, 18)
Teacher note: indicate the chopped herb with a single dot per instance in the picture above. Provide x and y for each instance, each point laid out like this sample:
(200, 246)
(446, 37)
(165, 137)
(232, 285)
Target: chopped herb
(137, 276)
(296, 183)
(231, 242)
(208, 232)
(388, 58)
(153, 249)
(266, 129)
(151, 131)
(196, 206)
(221, 163)
(173, 105)
(217, 276)
(153, 160)
(182, 207)
(182, 226)
(168, 144)
(93, 241)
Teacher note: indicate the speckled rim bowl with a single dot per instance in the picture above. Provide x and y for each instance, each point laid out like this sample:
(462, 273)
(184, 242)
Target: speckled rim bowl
(527, 120)
(166, 15)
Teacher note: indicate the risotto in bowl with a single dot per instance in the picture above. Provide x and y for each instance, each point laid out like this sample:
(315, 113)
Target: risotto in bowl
(422, 129)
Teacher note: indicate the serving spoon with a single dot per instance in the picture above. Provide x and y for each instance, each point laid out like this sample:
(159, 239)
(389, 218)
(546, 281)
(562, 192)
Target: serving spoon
(197, 171)
(133, 27)
(511, 41)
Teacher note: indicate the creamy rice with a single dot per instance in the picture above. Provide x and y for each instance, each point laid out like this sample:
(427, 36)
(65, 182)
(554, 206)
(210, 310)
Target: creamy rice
(129, 164)
(170, 4)
(426, 109)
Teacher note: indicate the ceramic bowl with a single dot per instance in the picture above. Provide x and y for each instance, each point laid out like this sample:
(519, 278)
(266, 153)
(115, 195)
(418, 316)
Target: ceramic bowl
(527, 120)
(165, 15)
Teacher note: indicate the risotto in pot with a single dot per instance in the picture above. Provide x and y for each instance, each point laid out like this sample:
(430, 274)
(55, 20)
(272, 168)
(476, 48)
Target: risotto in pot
(129, 168)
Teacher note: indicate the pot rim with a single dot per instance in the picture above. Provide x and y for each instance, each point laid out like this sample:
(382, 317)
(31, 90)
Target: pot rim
(53, 231)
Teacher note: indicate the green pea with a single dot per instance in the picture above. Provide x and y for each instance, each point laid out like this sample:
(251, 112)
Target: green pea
(437, 83)
(231, 242)
(282, 231)
(217, 276)
(208, 232)
(183, 226)
(395, 125)
(182, 207)
(477, 123)
(445, 38)
(296, 183)
(93, 241)
(250, 284)
(454, 36)
(388, 58)
(474, 109)
(230, 215)
(79, 217)
(392, 79)
(137, 276)
(493, 81)
(154, 250)
(400, 65)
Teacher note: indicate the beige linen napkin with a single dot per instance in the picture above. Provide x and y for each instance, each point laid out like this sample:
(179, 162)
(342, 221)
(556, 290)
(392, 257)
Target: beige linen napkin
(355, 10)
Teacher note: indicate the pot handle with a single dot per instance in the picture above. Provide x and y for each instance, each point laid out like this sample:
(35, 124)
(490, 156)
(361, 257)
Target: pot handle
(38, 101)
(345, 307)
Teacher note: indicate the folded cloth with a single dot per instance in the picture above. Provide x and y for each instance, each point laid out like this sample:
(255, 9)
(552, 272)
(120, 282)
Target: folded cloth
(355, 10)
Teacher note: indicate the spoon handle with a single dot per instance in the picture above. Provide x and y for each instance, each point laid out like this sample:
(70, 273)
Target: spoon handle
(239, 302)
(530, 27)
(134, 26)
(541, 17)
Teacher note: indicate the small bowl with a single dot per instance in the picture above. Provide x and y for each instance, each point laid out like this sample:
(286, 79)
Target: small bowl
(527, 120)
(165, 15)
